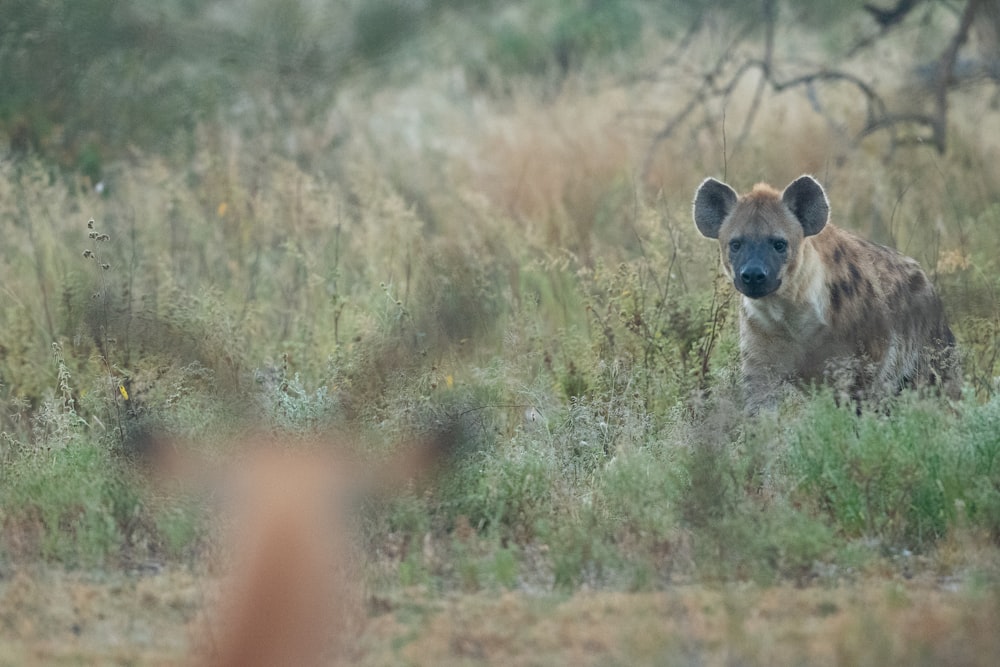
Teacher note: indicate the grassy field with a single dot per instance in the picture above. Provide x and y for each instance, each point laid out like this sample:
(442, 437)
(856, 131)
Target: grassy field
(363, 221)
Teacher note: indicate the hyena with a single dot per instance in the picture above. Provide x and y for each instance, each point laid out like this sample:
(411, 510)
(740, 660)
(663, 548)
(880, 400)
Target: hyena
(821, 303)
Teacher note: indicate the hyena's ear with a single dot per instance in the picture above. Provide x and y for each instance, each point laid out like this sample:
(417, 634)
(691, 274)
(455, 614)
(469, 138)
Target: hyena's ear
(712, 203)
(805, 198)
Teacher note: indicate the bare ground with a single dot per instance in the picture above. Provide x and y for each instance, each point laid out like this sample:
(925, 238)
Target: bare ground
(54, 617)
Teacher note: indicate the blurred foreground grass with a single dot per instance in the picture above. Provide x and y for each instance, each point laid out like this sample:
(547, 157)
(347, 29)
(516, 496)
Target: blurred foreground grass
(146, 620)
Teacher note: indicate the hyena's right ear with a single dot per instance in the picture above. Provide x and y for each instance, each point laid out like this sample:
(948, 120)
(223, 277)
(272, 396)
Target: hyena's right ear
(712, 203)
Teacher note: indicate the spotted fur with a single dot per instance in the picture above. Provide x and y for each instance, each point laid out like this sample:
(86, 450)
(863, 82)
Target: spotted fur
(820, 303)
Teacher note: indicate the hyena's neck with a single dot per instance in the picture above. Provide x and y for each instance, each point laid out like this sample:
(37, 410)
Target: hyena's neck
(800, 306)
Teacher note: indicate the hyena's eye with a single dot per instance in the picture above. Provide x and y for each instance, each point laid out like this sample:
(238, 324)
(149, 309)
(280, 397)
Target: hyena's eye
(734, 246)
(780, 245)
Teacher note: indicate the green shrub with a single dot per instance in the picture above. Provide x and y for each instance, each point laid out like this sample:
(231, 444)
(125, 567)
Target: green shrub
(895, 478)
(72, 505)
(515, 50)
(578, 550)
(763, 545)
(504, 491)
(639, 492)
(596, 29)
(380, 26)
(980, 433)
(179, 528)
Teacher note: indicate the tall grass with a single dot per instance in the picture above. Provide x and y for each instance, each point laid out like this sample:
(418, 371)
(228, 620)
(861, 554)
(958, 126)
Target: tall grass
(438, 246)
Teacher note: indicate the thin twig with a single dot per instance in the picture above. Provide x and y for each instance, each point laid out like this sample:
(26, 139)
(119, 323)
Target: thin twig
(707, 82)
(770, 16)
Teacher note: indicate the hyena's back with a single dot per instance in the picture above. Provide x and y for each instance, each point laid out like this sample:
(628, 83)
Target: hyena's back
(887, 314)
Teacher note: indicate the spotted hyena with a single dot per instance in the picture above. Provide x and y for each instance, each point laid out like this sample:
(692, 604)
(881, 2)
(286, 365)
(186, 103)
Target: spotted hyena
(820, 303)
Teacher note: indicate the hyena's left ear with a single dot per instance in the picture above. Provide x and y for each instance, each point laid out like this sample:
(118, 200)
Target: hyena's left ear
(805, 198)
(712, 203)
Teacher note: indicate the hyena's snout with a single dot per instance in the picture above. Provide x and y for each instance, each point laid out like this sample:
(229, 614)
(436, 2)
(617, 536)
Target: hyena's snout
(754, 276)
(756, 273)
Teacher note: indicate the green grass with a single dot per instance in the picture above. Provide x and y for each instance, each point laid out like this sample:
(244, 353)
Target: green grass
(422, 238)
(70, 506)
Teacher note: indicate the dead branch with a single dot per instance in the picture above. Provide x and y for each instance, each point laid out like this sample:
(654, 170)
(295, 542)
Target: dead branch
(770, 16)
(878, 116)
(946, 71)
(699, 97)
(876, 105)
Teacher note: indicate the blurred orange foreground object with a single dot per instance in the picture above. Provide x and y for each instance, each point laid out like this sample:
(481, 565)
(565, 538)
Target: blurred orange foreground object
(289, 590)
(283, 602)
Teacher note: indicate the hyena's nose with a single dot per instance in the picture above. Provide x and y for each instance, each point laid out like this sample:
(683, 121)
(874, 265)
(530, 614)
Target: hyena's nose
(753, 275)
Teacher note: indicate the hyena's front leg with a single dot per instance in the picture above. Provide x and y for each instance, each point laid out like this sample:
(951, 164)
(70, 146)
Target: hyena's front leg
(767, 368)
(762, 387)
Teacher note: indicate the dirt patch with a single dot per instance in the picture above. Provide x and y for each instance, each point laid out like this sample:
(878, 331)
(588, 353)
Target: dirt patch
(879, 622)
(53, 617)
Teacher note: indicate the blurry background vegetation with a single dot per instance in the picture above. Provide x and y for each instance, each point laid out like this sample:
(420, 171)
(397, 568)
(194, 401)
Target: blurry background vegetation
(364, 212)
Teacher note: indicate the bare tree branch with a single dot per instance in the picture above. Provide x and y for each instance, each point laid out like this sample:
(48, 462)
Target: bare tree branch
(946, 73)
(770, 17)
(878, 117)
(876, 107)
(698, 98)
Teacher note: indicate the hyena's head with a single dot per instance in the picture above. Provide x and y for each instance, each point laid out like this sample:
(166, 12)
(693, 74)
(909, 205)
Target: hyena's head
(761, 233)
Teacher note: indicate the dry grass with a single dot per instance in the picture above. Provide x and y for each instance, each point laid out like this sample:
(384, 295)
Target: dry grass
(429, 243)
(57, 618)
